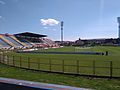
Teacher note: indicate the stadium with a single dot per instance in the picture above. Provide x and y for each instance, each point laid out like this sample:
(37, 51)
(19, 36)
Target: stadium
(25, 40)
(92, 58)
(40, 53)
(36, 52)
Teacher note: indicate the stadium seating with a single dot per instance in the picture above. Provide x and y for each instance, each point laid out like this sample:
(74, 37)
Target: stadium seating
(24, 41)
(49, 42)
(14, 38)
(3, 44)
(13, 41)
(7, 41)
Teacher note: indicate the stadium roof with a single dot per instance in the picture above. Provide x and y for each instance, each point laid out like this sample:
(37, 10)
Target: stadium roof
(28, 34)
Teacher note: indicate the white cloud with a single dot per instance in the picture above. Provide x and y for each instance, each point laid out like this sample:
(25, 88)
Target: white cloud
(51, 22)
(1, 2)
(45, 27)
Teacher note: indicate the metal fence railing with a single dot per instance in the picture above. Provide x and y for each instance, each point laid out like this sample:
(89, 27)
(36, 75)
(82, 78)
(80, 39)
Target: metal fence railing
(76, 67)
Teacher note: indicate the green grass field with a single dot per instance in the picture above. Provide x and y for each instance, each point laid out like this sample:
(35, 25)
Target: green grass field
(85, 62)
(73, 63)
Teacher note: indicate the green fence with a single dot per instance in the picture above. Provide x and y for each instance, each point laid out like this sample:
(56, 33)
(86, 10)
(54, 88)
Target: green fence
(77, 67)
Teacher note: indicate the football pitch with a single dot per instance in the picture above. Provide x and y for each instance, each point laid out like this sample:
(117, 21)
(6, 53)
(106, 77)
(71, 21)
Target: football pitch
(83, 64)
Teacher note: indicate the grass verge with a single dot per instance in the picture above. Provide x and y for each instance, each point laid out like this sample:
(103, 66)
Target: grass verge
(71, 80)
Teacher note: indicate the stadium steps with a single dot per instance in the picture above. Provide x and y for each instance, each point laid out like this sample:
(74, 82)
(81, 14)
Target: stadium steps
(6, 41)
(14, 38)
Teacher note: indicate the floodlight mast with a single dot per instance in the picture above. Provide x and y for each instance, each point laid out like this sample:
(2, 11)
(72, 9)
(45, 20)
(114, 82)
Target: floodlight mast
(118, 27)
(118, 19)
(62, 32)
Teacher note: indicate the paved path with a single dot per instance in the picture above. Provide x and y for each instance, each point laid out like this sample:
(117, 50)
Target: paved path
(36, 85)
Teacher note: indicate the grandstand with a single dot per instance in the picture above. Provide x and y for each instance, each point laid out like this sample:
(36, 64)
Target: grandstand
(25, 40)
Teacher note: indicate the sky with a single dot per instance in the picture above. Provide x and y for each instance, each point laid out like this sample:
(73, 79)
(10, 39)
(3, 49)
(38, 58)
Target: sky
(85, 19)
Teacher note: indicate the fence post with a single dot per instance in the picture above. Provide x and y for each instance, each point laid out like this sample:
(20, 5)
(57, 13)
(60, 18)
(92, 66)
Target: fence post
(20, 61)
(7, 59)
(13, 61)
(93, 67)
(77, 66)
(28, 63)
(63, 66)
(3, 58)
(111, 69)
(50, 64)
(0, 57)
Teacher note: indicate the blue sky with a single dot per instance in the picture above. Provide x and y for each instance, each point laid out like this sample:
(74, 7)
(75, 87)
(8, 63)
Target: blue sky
(85, 19)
